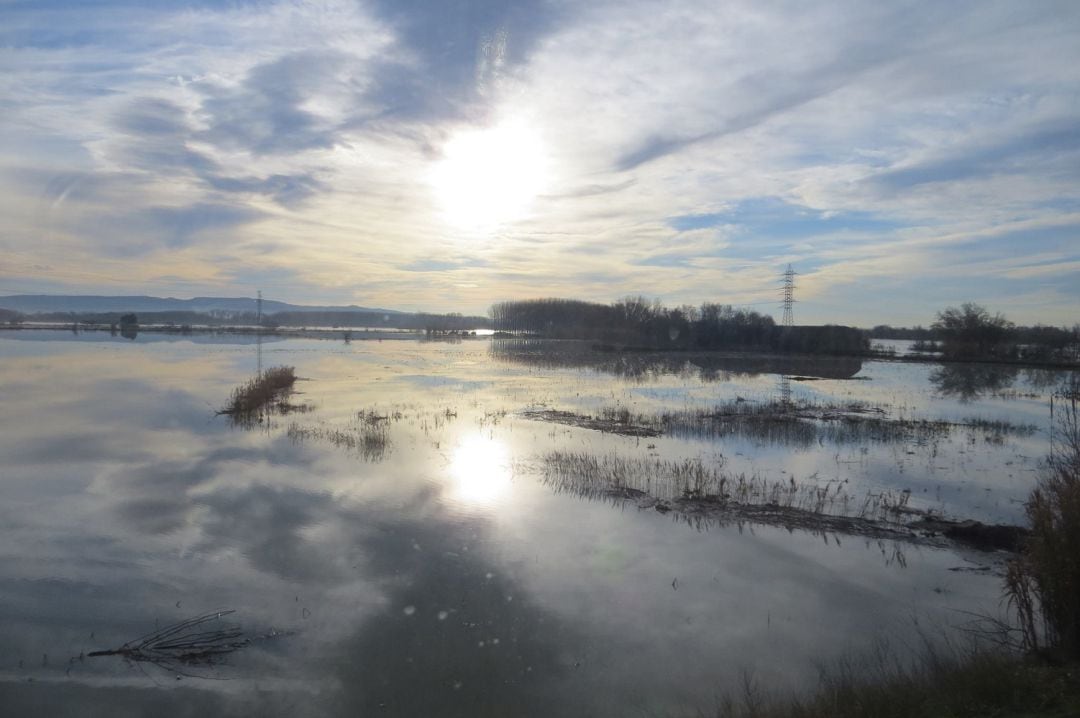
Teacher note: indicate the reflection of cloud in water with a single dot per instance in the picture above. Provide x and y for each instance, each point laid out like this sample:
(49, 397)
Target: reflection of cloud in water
(441, 382)
(160, 497)
(459, 636)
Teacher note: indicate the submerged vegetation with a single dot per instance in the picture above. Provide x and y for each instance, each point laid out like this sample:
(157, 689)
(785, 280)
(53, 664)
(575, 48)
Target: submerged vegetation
(369, 438)
(1037, 676)
(368, 434)
(695, 479)
(800, 424)
(705, 494)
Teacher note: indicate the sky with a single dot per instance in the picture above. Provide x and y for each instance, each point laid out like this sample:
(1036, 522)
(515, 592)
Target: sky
(443, 155)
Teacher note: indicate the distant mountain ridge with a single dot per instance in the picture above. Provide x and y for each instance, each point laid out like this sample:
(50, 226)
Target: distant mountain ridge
(49, 303)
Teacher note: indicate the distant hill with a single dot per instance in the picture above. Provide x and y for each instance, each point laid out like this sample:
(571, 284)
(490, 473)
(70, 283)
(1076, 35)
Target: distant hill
(51, 303)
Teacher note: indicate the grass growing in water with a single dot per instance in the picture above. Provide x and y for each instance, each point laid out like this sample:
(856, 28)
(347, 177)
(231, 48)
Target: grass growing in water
(776, 422)
(695, 482)
(1043, 588)
(249, 401)
(369, 439)
(1043, 584)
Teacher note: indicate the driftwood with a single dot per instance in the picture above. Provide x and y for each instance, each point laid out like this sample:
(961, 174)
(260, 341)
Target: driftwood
(188, 643)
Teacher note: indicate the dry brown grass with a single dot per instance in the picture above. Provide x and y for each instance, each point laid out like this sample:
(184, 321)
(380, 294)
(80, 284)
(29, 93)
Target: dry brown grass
(1043, 584)
(943, 682)
(250, 400)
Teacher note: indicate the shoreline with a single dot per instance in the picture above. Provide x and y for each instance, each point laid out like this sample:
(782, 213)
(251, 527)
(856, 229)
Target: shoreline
(367, 333)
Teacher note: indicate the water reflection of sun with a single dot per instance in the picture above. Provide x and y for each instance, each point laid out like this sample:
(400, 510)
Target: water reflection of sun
(480, 471)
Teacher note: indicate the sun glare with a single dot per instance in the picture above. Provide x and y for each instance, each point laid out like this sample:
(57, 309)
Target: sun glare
(480, 471)
(490, 176)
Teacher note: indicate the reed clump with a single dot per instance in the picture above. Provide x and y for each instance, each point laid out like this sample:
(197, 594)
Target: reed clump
(1043, 584)
(697, 482)
(249, 401)
(368, 440)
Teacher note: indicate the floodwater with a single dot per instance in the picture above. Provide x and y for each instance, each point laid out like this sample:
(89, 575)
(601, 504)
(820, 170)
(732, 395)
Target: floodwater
(393, 548)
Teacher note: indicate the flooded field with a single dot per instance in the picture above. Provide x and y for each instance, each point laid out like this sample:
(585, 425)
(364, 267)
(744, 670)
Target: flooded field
(482, 528)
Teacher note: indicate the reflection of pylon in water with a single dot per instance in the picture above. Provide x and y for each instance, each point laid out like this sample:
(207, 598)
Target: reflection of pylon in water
(258, 334)
(785, 390)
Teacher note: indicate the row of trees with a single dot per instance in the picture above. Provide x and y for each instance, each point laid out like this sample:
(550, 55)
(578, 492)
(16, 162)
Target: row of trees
(637, 321)
(970, 331)
(377, 320)
(348, 319)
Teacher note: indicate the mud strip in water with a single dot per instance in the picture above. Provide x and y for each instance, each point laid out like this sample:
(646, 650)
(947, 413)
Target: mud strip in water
(799, 424)
(703, 496)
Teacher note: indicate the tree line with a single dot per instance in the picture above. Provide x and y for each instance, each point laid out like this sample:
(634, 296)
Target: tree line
(419, 321)
(970, 331)
(640, 322)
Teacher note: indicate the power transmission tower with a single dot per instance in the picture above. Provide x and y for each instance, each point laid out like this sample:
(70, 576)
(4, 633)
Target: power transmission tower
(258, 307)
(789, 296)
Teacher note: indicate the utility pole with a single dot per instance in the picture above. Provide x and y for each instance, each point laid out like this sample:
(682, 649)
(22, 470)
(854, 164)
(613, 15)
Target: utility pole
(789, 296)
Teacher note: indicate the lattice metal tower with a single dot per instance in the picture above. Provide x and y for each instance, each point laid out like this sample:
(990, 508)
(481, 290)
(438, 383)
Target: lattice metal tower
(258, 308)
(789, 296)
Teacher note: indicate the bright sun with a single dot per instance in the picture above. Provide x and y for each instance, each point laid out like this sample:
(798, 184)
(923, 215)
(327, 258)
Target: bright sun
(480, 470)
(490, 176)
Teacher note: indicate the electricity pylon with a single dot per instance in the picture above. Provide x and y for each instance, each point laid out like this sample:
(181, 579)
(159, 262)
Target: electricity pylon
(789, 297)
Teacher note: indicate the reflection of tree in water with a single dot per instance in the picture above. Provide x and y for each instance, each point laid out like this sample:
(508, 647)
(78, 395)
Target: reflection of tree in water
(1049, 379)
(970, 381)
(707, 366)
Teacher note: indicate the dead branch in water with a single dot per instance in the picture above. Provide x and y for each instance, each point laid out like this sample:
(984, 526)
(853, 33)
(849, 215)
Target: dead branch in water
(187, 643)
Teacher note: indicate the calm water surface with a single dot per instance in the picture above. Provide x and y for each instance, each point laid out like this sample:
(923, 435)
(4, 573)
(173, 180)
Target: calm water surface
(438, 574)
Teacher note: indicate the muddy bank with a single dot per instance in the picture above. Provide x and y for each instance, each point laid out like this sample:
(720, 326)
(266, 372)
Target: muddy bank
(926, 531)
(796, 423)
(985, 537)
(703, 494)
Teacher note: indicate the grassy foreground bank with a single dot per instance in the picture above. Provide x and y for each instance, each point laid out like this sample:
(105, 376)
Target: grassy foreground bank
(1038, 678)
(989, 685)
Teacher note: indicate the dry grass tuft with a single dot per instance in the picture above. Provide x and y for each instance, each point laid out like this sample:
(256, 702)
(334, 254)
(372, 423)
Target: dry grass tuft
(941, 682)
(249, 401)
(1043, 585)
